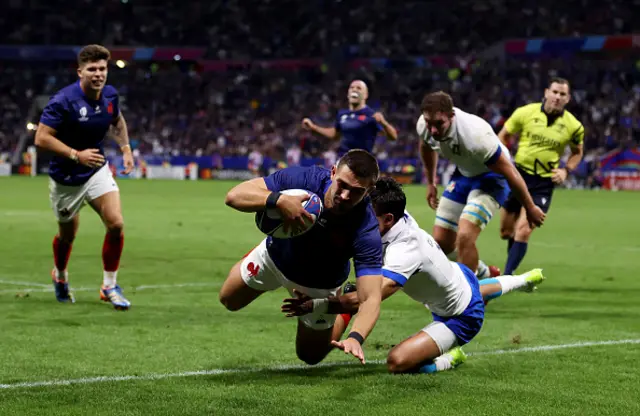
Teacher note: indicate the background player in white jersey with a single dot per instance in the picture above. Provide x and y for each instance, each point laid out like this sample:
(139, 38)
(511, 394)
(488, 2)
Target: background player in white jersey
(73, 126)
(414, 262)
(480, 185)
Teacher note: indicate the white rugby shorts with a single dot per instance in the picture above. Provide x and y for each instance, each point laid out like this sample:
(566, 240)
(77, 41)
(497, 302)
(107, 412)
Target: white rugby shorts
(259, 272)
(66, 201)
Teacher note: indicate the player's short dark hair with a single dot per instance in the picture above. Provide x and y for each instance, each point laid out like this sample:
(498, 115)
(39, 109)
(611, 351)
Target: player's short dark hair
(558, 80)
(437, 102)
(362, 163)
(388, 198)
(93, 53)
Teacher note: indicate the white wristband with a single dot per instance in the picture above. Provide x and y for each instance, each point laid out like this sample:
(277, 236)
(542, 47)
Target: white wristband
(320, 305)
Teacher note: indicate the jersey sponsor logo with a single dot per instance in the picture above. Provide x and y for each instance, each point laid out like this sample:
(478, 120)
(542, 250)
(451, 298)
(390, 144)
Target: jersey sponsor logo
(83, 114)
(97, 110)
(253, 269)
(539, 140)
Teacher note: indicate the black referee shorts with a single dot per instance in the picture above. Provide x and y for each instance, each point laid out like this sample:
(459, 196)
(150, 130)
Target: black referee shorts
(541, 190)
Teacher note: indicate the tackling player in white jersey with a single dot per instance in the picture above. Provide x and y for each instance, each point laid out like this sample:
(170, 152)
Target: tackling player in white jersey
(414, 262)
(480, 185)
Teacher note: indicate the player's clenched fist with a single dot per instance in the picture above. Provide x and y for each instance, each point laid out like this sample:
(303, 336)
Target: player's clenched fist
(293, 213)
(307, 124)
(91, 158)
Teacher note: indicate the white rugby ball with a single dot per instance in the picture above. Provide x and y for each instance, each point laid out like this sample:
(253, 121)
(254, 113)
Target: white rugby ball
(270, 221)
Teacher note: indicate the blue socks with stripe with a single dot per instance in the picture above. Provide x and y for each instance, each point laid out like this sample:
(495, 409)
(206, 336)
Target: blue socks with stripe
(516, 254)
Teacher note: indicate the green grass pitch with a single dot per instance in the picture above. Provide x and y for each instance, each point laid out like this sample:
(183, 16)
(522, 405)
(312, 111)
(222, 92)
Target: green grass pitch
(180, 241)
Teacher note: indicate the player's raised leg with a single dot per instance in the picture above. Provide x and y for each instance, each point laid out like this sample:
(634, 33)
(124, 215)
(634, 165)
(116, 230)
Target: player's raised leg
(105, 200)
(249, 278)
(501, 285)
(235, 294)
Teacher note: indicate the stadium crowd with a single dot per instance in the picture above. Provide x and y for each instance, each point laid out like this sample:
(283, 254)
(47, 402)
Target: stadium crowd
(176, 108)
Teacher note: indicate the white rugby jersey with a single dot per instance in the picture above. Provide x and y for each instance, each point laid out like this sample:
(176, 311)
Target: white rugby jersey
(470, 144)
(413, 259)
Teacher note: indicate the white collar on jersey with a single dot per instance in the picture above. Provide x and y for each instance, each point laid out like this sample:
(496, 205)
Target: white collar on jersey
(396, 231)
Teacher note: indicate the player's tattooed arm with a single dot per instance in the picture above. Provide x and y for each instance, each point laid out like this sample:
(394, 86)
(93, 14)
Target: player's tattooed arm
(120, 133)
(121, 136)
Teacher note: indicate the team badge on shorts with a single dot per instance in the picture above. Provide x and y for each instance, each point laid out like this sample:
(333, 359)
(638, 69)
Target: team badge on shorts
(451, 186)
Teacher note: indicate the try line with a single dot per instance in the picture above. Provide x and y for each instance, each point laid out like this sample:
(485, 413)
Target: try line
(218, 371)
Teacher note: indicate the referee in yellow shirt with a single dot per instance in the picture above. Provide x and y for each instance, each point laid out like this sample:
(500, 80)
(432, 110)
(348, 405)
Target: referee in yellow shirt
(545, 129)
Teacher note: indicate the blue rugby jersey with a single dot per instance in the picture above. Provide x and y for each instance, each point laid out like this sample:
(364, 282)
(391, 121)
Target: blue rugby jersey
(320, 257)
(81, 123)
(358, 129)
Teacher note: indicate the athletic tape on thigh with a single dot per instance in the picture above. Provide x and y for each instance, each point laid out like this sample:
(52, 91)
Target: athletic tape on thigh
(444, 338)
(480, 208)
(448, 214)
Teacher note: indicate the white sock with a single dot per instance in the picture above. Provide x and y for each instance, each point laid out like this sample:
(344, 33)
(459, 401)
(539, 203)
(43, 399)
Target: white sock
(483, 270)
(109, 279)
(443, 362)
(61, 275)
(510, 283)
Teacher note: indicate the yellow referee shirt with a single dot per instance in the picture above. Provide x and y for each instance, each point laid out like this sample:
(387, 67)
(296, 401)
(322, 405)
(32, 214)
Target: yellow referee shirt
(543, 138)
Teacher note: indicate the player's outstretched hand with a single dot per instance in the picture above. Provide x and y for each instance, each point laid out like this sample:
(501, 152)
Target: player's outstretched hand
(127, 159)
(559, 175)
(307, 124)
(432, 196)
(298, 306)
(379, 117)
(293, 213)
(91, 158)
(535, 216)
(350, 346)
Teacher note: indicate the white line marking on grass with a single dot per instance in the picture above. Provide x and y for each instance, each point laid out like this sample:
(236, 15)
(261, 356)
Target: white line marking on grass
(542, 348)
(47, 288)
(22, 283)
(219, 371)
(586, 246)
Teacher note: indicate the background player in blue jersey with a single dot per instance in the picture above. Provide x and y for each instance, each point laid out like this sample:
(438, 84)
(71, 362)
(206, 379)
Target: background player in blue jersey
(73, 126)
(358, 126)
(317, 262)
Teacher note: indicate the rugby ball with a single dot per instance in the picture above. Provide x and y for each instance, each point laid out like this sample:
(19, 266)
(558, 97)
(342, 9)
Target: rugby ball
(270, 221)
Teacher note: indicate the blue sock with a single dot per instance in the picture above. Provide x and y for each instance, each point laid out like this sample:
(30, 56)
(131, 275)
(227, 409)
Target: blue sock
(516, 254)
(509, 244)
(493, 295)
(428, 368)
